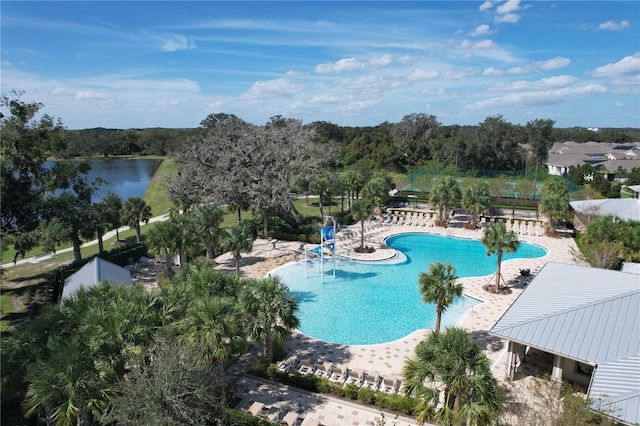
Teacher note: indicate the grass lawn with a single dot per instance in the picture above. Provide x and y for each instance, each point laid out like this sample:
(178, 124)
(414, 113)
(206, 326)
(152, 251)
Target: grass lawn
(156, 195)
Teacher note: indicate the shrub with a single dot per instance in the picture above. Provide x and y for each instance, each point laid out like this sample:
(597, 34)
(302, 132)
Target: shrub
(401, 404)
(366, 396)
(259, 367)
(351, 391)
(324, 386)
(272, 371)
(240, 418)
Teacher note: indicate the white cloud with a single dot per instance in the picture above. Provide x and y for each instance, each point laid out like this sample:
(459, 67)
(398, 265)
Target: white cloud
(93, 95)
(508, 7)
(510, 18)
(543, 84)
(488, 4)
(278, 88)
(343, 65)
(422, 75)
(627, 85)
(177, 42)
(166, 103)
(380, 61)
(456, 75)
(480, 44)
(619, 104)
(363, 104)
(519, 70)
(406, 59)
(627, 65)
(481, 30)
(368, 83)
(545, 97)
(59, 91)
(294, 74)
(552, 64)
(493, 72)
(614, 26)
(325, 98)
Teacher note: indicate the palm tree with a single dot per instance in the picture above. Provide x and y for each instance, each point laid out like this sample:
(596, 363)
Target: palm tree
(112, 207)
(68, 386)
(238, 239)
(438, 286)
(451, 378)
(444, 196)
(498, 240)
(476, 199)
(271, 312)
(163, 240)
(554, 201)
(202, 280)
(134, 211)
(361, 210)
(215, 325)
(208, 219)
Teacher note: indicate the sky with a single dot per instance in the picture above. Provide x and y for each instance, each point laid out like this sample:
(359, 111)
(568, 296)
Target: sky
(123, 64)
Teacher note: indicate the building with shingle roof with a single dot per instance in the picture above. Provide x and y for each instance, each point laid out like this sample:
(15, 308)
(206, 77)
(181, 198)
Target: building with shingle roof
(589, 320)
(602, 156)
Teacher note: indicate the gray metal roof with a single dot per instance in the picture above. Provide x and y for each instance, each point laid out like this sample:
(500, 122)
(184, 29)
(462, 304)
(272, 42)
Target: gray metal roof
(624, 208)
(587, 314)
(615, 388)
(93, 272)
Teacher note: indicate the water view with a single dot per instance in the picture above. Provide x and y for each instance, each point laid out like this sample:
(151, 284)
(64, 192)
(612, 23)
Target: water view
(126, 177)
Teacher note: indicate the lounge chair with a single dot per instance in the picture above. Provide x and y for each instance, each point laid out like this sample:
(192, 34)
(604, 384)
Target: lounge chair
(338, 374)
(371, 381)
(273, 415)
(324, 369)
(307, 367)
(287, 364)
(291, 419)
(256, 408)
(389, 384)
(355, 376)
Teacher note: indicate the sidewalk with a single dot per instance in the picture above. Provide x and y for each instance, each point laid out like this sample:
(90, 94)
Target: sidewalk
(107, 235)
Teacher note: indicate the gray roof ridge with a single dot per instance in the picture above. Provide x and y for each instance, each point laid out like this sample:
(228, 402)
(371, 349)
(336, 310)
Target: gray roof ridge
(566, 310)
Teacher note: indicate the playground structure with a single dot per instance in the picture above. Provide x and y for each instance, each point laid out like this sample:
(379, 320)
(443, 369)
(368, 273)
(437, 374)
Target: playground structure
(327, 241)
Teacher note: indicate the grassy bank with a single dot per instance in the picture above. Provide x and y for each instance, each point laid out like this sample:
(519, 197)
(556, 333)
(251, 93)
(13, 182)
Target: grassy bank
(156, 195)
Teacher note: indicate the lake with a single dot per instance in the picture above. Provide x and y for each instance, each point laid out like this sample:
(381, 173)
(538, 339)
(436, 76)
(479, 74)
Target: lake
(126, 177)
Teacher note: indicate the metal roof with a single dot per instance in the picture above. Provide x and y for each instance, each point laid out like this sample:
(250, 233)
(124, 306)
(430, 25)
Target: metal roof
(587, 314)
(93, 272)
(624, 208)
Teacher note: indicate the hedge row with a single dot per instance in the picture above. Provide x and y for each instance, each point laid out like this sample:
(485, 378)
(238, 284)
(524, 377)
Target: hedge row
(393, 402)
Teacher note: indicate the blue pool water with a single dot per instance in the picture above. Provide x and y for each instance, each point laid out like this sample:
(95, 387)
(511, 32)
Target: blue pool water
(378, 302)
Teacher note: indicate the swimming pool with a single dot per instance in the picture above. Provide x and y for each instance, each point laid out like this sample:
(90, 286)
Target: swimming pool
(378, 302)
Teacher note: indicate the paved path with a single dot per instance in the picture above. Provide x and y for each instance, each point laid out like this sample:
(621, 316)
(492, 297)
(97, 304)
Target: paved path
(107, 235)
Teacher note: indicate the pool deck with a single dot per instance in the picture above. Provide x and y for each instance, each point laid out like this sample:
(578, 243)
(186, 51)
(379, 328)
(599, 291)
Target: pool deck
(388, 359)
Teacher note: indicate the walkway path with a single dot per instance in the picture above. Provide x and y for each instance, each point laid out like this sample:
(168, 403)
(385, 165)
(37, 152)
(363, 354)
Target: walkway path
(110, 234)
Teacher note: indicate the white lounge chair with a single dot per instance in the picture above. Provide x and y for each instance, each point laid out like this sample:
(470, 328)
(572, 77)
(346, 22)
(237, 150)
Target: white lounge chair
(324, 369)
(371, 381)
(256, 408)
(291, 419)
(287, 364)
(355, 376)
(390, 384)
(307, 367)
(338, 374)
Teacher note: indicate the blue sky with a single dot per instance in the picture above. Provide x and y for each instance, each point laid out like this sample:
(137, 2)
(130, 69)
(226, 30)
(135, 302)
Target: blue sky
(121, 64)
